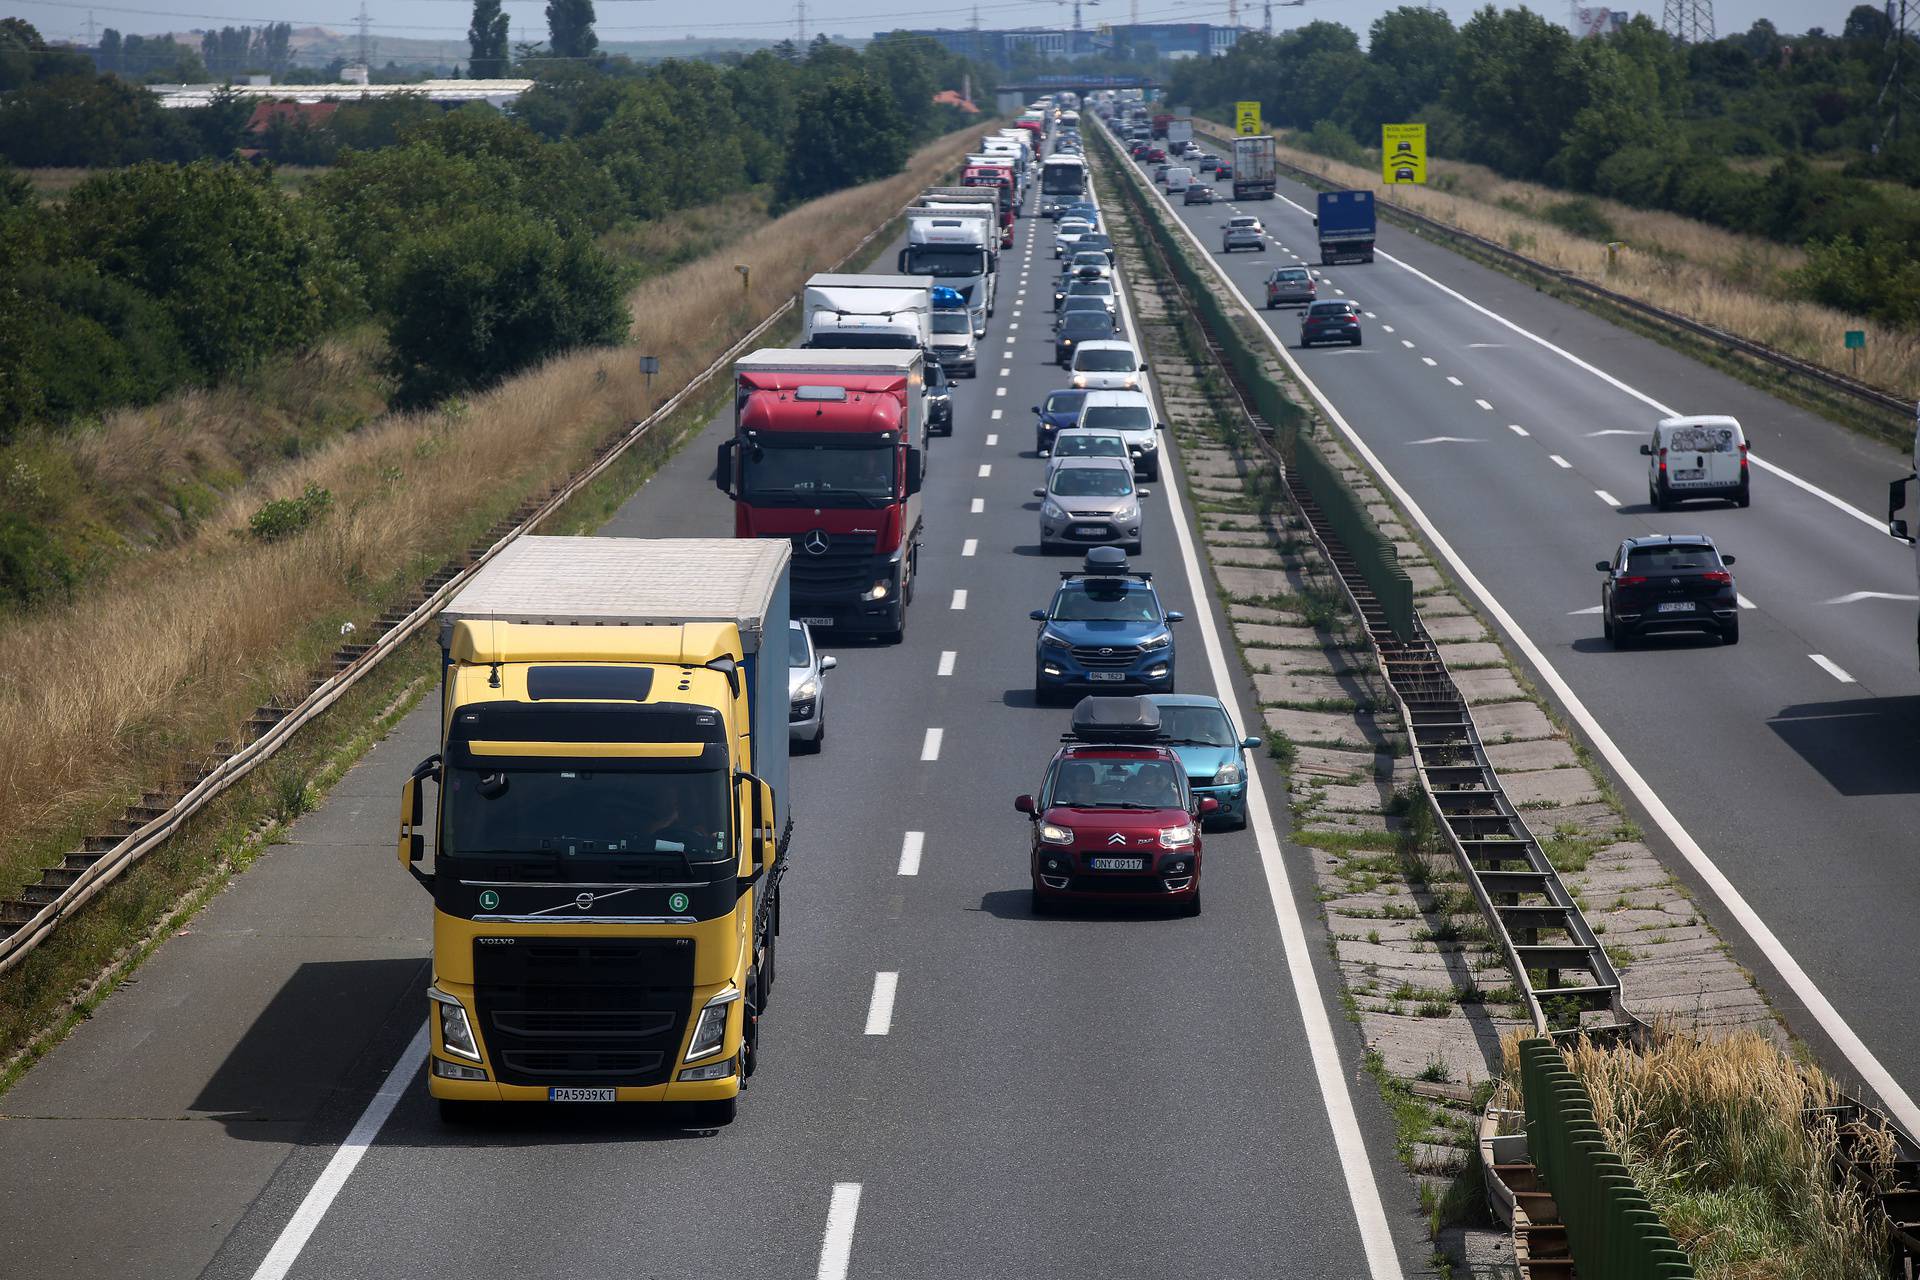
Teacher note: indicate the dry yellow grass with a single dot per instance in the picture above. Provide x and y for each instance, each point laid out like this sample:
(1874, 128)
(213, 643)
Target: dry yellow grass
(157, 662)
(1730, 281)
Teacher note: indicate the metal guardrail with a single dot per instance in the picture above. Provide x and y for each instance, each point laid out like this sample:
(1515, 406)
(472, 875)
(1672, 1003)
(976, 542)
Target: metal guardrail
(1853, 388)
(30, 919)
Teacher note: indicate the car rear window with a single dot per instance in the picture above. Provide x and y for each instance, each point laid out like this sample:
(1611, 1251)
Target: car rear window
(1075, 444)
(1092, 289)
(1328, 309)
(1289, 275)
(1701, 439)
(1672, 557)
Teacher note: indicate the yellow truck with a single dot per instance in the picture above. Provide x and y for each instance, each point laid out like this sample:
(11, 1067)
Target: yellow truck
(610, 823)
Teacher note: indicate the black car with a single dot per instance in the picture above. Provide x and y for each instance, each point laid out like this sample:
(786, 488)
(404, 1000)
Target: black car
(939, 399)
(1070, 277)
(1078, 327)
(1079, 302)
(1330, 322)
(1668, 583)
(1197, 194)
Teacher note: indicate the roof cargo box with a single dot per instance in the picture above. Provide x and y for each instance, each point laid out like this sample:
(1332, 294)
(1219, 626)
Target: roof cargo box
(1135, 720)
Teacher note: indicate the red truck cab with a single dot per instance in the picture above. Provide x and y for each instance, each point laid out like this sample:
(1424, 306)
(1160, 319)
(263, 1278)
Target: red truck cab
(1115, 820)
(826, 458)
(997, 176)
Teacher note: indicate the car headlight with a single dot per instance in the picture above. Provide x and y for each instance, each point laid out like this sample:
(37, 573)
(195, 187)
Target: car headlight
(878, 591)
(1160, 641)
(710, 1032)
(1174, 837)
(807, 691)
(1050, 834)
(1079, 380)
(1228, 776)
(1051, 510)
(456, 1033)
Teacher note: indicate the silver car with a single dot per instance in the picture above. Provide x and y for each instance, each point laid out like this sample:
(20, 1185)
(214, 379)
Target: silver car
(807, 670)
(1243, 232)
(1090, 502)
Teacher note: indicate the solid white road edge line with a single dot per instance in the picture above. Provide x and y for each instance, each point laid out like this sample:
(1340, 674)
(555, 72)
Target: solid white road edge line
(319, 1198)
(1896, 1099)
(836, 1246)
(910, 850)
(1363, 1190)
(880, 1008)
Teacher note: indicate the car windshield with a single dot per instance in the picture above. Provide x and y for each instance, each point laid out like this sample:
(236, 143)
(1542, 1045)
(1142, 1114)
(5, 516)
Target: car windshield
(1087, 324)
(1202, 726)
(1113, 601)
(1070, 227)
(582, 810)
(1118, 417)
(799, 653)
(1093, 482)
(952, 322)
(1667, 559)
(1098, 261)
(1093, 241)
(1104, 360)
(1116, 784)
(1060, 402)
(1089, 444)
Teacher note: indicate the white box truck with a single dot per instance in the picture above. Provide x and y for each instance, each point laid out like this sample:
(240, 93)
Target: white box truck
(867, 312)
(954, 245)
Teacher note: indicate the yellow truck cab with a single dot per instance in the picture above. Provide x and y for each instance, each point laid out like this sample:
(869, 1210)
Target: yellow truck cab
(610, 823)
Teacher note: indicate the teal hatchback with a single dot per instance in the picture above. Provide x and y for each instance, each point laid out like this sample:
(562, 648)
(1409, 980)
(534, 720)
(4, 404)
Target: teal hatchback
(1201, 733)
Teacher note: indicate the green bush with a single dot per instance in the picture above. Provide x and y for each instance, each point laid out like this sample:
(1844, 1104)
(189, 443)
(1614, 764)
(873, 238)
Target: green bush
(848, 132)
(284, 517)
(33, 566)
(1329, 139)
(472, 302)
(1582, 217)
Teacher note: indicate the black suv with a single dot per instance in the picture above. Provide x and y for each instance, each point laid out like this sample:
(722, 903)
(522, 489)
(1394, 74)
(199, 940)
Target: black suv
(1668, 583)
(939, 400)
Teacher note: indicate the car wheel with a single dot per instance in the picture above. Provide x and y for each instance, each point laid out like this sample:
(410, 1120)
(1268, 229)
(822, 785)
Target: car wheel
(1153, 472)
(1730, 634)
(1273, 306)
(1662, 499)
(1606, 627)
(1622, 638)
(1356, 341)
(1746, 497)
(712, 1115)
(1042, 694)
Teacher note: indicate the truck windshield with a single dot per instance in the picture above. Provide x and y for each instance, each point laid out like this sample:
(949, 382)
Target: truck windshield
(952, 322)
(582, 810)
(945, 261)
(814, 475)
(855, 340)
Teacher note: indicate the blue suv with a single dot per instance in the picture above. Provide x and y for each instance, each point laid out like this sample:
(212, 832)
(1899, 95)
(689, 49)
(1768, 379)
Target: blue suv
(1104, 633)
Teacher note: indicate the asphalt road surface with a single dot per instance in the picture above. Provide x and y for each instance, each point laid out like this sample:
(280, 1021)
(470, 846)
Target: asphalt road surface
(1097, 1095)
(1793, 759)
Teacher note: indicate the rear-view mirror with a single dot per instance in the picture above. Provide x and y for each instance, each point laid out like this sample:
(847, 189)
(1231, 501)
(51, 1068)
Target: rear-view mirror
(1176, 616)
(1038, 615)
(1602, 566)
(828, 662)
(1208, 805)
(1646, 451)
(1144, 494)
(1249, 744)
(1023, 804)
(1039, 493)
(1727, 559)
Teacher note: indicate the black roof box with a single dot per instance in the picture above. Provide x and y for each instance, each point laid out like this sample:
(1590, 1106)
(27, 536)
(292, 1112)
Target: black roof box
(1099, 719)
(1106, 562)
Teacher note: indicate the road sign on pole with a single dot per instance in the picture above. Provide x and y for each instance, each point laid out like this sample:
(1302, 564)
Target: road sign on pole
(1856, 343)
(1246, 119)
(1403, 153)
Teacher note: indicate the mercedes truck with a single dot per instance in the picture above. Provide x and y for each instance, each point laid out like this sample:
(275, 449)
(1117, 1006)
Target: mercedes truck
(610, 823)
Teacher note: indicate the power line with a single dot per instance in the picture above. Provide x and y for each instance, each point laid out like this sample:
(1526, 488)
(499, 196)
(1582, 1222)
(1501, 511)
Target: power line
(1688, 21)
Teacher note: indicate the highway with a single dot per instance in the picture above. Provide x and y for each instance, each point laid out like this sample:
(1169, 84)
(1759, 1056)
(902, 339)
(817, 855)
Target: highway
(1792, 761)
(948, 1087)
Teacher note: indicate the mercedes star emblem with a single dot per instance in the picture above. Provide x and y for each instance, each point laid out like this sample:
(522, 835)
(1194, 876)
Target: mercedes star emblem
(815, 542)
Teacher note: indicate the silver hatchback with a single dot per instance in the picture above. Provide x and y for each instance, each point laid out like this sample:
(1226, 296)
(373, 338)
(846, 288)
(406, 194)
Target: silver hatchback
(807, 670)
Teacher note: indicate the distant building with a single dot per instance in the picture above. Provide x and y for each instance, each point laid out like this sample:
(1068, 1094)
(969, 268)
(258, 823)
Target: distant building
(1599, 22)
(1145, 39)
(497, 93)
(952, 98)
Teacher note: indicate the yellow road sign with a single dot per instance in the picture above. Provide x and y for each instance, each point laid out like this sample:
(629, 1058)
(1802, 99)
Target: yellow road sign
(1246, 119)
(1403, 153)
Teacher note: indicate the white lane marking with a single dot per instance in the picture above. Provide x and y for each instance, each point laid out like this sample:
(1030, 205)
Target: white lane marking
(1501, 345)
(1855, 597)
(1409, 346)
(1016, 313)
(1744, 602)
(1484, 405)
(970, 546)
(1012, 324)
(880, 1008)
(910, 849)
(1429, 361)
(1516, 428)
(1614, 431)
(999, 391)
(979, 505)
(1447, 440)
(959, 598)
(997, 413)
(1606, 497)
(1010, 339)
(1574, 613)
(992, 440)
(1369, 315)
(1363, 1189)
(930, 749)
(1831, 667)
(986, 469)
(836, 1247)
(319, 1198)
(1387, 328)
(1876, 1076)
(1455, 381)
(947, 658)
(1561, 462)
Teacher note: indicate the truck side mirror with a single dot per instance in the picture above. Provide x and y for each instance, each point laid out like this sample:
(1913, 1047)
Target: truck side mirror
(900, 263)
(413, 841)
(723, 466)
(1316, 220)
(913, 472)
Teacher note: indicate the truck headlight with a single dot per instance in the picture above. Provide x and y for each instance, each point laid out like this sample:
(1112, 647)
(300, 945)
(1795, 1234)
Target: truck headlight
(1174, 837)
(710, 1031)
(456, 1033)
(878, 591)
(1050, 834)
(1229, 775)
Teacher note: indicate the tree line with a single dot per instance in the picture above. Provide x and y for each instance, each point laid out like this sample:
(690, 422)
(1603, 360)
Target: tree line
(468, 234)
(1788, 137)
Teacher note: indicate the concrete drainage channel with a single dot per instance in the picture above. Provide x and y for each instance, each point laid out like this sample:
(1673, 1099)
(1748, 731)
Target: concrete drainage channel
(1395, 740)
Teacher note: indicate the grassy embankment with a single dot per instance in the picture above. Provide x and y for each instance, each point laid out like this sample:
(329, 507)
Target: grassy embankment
(166, 655)
(1714, 1133)
(1733, 282)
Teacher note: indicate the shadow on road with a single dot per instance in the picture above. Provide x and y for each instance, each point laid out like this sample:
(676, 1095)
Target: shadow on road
(1861, 746)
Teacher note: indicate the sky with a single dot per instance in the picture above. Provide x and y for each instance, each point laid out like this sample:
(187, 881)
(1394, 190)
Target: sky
(774, 19)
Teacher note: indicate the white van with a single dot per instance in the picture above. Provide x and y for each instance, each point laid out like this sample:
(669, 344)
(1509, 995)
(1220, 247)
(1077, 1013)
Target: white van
(1699, 457)
(1179, 178)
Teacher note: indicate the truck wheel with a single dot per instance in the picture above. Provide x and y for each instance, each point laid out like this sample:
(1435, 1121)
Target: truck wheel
(712, 1115)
